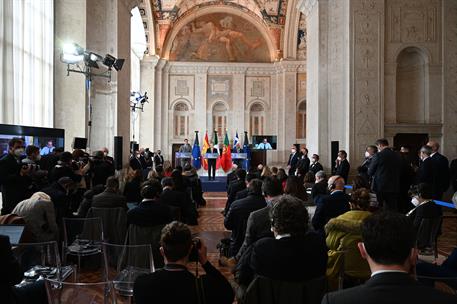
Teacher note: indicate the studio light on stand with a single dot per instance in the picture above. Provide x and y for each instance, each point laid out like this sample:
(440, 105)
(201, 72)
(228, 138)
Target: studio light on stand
(83, 61)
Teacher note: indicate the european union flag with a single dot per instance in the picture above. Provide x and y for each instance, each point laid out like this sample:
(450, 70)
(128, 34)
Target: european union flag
(196, 162)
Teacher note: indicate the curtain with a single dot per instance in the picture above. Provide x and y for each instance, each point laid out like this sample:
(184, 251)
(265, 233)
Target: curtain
(26, 62)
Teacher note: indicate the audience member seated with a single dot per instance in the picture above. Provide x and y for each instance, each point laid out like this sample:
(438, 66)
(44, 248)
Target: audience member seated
(86, 203)
(235, 187)
(266, 172)
(40, 217)
(294, 254)
(330, 206)
(295, 188)
(14, 179)
(132, 186)
(237, 216)
(429, 273)
(274, 171)
(110, 198)
(100, 168)
(424, 209)
(193, 181)
(388, 244)
(66, 168)
(231, 176)
(359, 182)
(12, 274)
(174, 284)
(60, 193)
(151, 211)
(309, 180)
(343, 234)
(244, 193)
(259, 223)
(282, 177)
(320, 187)
(178, 199)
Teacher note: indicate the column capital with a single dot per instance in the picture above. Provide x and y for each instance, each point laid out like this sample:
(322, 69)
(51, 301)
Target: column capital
(306, 6)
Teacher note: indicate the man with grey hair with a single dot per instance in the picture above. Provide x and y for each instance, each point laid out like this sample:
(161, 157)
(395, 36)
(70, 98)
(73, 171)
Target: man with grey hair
(320, 187)
(441, 170)
(425, 171)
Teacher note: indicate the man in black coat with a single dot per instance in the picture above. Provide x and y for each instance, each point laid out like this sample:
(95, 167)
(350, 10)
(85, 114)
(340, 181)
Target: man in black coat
(441, 170)
(158, 159)
(110, 198)
(178, 199)
(60, 193)
(315, 164)
(385, 173)
(304, 162)
(235, 187)
(425, 173)
(330, 206)
(14, 178)
(342, 166)
(321, 186)
(293, 160)
(244, 193)
(175, 284)
(211, 163)
(231, 176)
(389, 247)
(237, 216)
(151, 211)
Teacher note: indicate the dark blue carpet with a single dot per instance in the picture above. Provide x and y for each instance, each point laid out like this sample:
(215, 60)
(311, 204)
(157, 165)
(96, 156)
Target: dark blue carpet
(218, 185)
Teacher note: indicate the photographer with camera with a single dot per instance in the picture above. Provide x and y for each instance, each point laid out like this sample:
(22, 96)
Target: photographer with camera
(67, 167)
(175, 283)
(37, 176)
(14, 178)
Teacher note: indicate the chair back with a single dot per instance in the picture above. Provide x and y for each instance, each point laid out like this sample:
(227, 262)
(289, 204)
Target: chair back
(267, 291)
(114, 222)
(90, 229)
(79, 293)
(138, 235)
(427, 234)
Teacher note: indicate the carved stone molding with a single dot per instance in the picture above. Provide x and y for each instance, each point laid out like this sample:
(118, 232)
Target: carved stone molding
(306, 6)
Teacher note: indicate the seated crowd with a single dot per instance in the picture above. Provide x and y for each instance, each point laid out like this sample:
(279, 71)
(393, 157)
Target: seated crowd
(293, 230)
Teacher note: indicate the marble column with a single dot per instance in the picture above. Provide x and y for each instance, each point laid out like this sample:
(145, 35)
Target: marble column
(147, 80)
(69, 90)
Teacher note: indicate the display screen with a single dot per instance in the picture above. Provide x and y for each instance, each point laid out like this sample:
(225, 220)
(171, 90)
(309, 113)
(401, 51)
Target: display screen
(47, 139)
(264, 142)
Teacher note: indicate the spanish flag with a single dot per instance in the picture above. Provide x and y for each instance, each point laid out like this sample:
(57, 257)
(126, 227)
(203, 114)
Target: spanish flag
(204, 149)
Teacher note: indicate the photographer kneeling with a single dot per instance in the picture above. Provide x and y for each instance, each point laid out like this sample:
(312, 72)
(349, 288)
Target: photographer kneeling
(174, 283)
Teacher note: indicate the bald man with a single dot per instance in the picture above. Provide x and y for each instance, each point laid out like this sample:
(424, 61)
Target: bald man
(440, 165)
(330, 206)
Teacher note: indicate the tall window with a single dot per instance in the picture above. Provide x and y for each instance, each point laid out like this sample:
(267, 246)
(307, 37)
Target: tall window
(181, 120)
(256, 119)
(301, 120)
(26, 62)
(220, 118)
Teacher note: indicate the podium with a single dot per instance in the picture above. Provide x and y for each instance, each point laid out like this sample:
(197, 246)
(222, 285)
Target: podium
(239, 158)
(212, 155)
(183, 158)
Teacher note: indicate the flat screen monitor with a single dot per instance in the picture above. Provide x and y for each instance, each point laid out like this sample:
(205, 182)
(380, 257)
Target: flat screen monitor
(264, 142)
(14, 232)
(45, 138)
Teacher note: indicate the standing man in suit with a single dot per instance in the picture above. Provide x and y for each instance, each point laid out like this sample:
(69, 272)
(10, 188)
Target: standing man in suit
(363, 169)
(238, 149)
(342, 166)
(304, 162)
(315, 164)
(330, 206)
(385, 173)
(388, 245)
(293, 160)
(186, 148)
(441, 170)
(425, 173)
(158, 159)
(211, 163)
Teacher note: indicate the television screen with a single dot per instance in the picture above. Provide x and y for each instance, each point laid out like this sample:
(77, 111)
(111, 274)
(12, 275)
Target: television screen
(264, 142)
(45, 138)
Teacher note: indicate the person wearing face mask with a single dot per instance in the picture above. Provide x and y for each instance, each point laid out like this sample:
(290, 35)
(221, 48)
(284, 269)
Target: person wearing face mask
(135, 162)
(315, 164)
(425, 172)
(369, 153)
(14, 178)
(158, 159)
(424, 208)
(342, 166)
(304, 162)
(293, 160)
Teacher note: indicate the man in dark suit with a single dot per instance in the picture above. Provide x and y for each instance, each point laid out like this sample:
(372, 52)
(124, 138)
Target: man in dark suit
(231, 176)
(151, 211)
(235, 187)
(135, 162)
(363, 168)
(293, 160)
(259, 223)
(158, 159)
(385, 173)
(244, 193)
(175, 283)
(441, 170)
(110, 198)
(330, 206)
(425, 173)
(321, 186)
(389, 247)
(237, 215)
(14, 179)
(211, 163)
(177, 199)
(315, 164)
(342, 166)
(304, 162)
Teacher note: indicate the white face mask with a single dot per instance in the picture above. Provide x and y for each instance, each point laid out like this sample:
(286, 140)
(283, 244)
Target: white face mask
(313, 160)
(18, 152)
(367, 154)
(339, 158)
(293, 150)
(415, 201)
